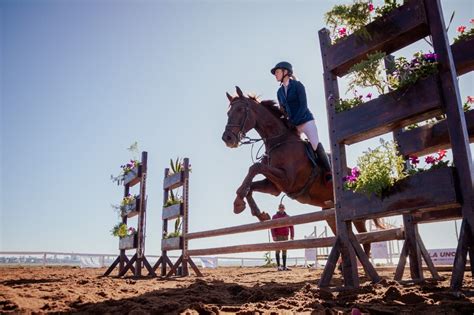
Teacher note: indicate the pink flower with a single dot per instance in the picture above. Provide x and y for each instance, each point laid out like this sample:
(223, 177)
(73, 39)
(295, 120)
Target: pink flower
(441, 154)
(414, 160)
(371, 7)
(430, 159)
(369, 96)
(470, 99)
(472, 21)
(461, 29)
(342, 31)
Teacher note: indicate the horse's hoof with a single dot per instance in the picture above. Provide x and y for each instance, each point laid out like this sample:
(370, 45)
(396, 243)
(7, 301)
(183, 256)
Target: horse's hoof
(239, 206)
(263, 216)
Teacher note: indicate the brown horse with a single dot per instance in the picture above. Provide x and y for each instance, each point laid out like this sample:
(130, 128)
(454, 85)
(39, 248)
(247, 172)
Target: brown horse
(285, 166)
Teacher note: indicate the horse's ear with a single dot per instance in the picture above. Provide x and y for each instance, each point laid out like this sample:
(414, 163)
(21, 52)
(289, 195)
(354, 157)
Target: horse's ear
(239, 92)
(229, 97)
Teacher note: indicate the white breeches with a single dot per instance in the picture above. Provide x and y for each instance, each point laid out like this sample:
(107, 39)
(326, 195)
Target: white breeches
(310, 131)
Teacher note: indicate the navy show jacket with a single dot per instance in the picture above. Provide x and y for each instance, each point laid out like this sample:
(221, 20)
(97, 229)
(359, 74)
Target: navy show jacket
(295, 102)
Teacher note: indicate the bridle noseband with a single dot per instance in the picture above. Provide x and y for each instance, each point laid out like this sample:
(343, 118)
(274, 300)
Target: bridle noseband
(240, 134)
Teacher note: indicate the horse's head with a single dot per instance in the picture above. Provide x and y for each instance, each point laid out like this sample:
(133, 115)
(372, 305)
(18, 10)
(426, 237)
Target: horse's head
(240, 120)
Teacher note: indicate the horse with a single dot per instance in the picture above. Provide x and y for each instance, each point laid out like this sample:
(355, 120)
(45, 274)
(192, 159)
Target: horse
(286, 165)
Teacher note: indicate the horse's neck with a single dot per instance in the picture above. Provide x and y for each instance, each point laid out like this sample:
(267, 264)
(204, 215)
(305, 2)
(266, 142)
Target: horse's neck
(268, 125)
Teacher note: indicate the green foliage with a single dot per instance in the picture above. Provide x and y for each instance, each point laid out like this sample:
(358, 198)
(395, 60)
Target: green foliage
(353, 17)
(388, 6)
(379, 169)
(464, 34)
(368, 73)
(119, 230)
(407, 73)
(172, 200)
(268, 260)
(346, 104)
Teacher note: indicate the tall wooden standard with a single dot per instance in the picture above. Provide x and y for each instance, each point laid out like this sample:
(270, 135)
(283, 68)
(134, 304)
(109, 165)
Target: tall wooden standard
(419, 198)
(136, 241)
(180, 210)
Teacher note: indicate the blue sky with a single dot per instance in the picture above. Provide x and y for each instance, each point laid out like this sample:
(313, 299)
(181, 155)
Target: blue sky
(82, 80)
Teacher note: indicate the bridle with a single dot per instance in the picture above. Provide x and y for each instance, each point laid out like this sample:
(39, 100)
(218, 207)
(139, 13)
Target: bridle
(241, 134)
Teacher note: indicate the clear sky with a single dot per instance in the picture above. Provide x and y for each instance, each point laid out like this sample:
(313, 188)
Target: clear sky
(82, 80)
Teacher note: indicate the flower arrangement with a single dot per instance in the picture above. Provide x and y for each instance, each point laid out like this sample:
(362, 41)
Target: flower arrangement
(128, 167)
(177, 166)
(177, 229)
(432, 162)
(377, 170)
(172, 200)
(369, 73)
(463, 33)
(128, 200)
(344, 20)
(120, 230)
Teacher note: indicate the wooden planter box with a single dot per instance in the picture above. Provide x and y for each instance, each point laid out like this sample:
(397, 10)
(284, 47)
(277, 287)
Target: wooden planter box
(463, 55)
(129, 242)
(397, 29)
(131, 210)
(172, 243)
(133, 177)
(172, 212)
(430, 138)
(427, 191)
(391, 111)
(173, 181)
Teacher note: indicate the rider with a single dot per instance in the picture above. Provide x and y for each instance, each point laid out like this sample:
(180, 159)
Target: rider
(292, 98)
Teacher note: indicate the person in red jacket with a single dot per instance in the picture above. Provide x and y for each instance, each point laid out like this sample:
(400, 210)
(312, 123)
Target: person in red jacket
(281, 234)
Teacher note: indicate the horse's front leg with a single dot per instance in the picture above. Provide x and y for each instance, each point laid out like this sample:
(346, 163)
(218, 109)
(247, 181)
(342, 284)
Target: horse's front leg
(263, 186)
(273, 174)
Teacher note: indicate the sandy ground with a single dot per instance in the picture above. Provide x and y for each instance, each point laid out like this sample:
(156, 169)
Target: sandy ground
(221, 291)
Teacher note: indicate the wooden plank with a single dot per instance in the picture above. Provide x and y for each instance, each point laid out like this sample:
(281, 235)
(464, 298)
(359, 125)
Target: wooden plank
(463, 55)
(128, 242)
(172, 243)
(401, 262)
(398, 29)
(330, 265)
(112, 267)
(411, 231)
(430, 138)
(389, 112)
(194, 267)
(150, 269)
(464, 243)
(292, 220)
(377, 236)
(133, 177)
(437, 216)
(420, 192)
(173, 181)
(128, 266)
(364, 260)
(427, 258)
(172, 212)
(175, 267)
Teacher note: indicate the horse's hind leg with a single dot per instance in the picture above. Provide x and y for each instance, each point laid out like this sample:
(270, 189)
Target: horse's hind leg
(263, 186)
(360, 226)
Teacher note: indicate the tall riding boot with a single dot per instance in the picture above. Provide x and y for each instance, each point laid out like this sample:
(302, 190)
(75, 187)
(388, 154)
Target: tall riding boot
(322, 158)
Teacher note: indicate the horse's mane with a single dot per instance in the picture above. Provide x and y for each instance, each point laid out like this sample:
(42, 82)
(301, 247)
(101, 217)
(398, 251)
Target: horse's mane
(273, 108)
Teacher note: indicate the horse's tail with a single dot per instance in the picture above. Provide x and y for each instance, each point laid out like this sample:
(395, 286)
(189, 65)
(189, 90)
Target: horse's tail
(379, 223)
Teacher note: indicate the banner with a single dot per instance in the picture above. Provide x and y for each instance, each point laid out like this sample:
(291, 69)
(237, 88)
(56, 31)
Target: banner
(379, 250)
(443, 256)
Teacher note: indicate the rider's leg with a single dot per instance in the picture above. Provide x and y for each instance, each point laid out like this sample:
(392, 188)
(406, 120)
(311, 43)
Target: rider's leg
(311, 131)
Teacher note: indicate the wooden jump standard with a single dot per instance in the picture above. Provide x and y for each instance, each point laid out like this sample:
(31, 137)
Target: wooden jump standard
(417, 197)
